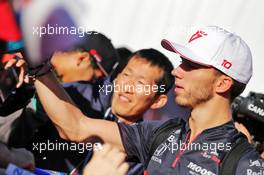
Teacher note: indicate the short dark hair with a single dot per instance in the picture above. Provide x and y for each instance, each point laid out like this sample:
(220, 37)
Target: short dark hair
(236, 89)
(156, 58)
(124, 55)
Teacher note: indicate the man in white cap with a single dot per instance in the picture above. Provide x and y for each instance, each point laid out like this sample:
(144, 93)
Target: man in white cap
(216, 66)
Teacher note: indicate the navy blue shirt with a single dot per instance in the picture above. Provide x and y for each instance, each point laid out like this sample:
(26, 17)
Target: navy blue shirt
(177, 156)
(90, 97)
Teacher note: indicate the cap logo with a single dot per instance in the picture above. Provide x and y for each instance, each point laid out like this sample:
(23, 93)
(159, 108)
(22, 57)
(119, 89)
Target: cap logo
(226, 64)
(197, 35)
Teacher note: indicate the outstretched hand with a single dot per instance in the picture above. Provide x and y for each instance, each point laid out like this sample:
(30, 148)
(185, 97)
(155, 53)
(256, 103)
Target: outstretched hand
(21, 64)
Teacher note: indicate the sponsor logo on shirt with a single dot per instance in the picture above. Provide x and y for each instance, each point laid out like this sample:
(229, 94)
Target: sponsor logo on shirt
(211, 156)
(156, 159)
(199, 169)
(166, 146)
(251, 172)
(172, 138)
(161, 149)
(256, 163)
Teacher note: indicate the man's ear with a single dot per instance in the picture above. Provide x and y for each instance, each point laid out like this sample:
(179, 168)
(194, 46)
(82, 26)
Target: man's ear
(159, 102)
(84, 56)
(223, 84)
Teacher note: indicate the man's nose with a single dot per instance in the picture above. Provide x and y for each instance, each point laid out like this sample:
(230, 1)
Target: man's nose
(129, 85)
(54, 58)
(178, 72)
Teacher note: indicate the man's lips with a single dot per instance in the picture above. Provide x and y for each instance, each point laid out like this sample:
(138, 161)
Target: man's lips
(124, 98)
(178, 88)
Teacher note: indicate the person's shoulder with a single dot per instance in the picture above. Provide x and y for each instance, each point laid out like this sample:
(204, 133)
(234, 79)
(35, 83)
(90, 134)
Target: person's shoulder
(163, 122)
(157, 125)
(250, 163)
(82, 87)
(152, 126)
(178, 121)
(77, 83)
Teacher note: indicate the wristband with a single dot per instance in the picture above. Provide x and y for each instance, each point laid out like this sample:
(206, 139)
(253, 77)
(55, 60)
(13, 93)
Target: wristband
(39, 71)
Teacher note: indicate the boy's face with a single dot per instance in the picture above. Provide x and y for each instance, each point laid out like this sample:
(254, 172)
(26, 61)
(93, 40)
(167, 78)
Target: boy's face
(133, 95)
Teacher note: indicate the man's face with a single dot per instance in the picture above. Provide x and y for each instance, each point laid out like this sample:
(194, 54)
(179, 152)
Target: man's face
(194, 84)
(130, 103)
(72, 66)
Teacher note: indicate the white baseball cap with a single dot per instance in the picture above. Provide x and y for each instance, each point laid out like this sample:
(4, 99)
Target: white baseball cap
(216, 47)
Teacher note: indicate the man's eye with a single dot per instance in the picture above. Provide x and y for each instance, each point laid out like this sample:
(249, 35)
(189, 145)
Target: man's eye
(190, 64)
(194, 65)
(125, 74)
(140, 82)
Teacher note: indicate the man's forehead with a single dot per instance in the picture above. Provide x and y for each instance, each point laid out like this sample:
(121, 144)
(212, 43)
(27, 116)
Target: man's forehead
(144, 68)
(141, 61)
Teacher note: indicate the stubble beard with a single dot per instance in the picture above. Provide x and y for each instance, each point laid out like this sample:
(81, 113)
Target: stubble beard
(195, 96)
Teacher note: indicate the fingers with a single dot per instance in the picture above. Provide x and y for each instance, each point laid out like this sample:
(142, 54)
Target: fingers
(20, 63)
(116, 157)
(109, 161)
(20, 78)
(10, 63)
(104, 151)
(118, 162)
(26, 79)
(15, 62)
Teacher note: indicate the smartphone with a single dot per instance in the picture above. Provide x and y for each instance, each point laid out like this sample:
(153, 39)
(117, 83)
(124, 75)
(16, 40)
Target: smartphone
(8, 81)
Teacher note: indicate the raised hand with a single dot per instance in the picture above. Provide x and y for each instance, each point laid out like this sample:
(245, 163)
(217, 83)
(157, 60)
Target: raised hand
(21, 64)
(108, 161)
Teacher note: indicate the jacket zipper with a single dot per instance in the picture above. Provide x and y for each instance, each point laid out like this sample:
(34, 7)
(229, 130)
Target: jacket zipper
(186, 144)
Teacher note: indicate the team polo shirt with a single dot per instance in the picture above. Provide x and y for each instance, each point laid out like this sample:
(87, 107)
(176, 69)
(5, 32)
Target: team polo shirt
(176, 155)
